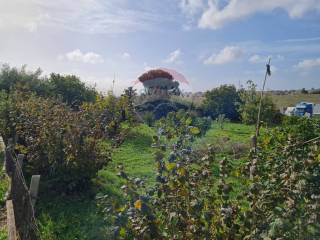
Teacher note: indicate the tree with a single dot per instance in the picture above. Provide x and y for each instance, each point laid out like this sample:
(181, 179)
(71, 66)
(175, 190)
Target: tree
(304, 91)
(70, 89)
(249, 104)
(222, 100)
(20, 79)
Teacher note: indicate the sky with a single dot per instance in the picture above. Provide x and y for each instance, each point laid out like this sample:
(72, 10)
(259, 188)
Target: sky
(211, 42)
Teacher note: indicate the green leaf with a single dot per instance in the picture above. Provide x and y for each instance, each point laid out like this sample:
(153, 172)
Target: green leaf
(170, 166)
(123, 232)
(188, 121)
(194, 130)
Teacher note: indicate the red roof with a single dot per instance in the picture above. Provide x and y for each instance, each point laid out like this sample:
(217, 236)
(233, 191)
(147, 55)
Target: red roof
(152, 74)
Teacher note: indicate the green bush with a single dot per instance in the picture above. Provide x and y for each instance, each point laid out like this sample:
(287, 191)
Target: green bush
(62, 145)
(148, 118)
(222, 100)
(284, 194)
(178, 119)
(249, 106)
(67, 88)
(195, 198)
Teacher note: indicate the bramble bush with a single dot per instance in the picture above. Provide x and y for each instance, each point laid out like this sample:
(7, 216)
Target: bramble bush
(186, 202)
(280, 198)
(284, 195)
(66, 146)
(58, 143)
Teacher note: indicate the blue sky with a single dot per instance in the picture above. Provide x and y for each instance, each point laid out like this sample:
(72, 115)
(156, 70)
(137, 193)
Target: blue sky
(211, 42)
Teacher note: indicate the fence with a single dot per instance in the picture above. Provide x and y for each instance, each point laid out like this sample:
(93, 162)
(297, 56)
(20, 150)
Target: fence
(21, 199)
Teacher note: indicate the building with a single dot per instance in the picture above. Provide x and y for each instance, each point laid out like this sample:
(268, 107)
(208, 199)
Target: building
(159, 83)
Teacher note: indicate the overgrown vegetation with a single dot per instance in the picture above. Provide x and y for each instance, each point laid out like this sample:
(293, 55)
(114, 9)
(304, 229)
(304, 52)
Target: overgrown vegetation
(250, 104)
(280, 200)
(62, 141)
(183, 176)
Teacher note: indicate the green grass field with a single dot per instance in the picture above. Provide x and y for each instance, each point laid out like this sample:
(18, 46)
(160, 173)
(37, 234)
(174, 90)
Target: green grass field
(78, 217)
(234, 131)
(293, 99)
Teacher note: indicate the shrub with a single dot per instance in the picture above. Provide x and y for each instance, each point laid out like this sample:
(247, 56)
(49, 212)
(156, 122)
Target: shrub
(178, 119)
(182, 204)
(148, 118)
(67, 88)
(222, 100)
(191, 201)
(249, 106)
(60, 144)
(284, 194)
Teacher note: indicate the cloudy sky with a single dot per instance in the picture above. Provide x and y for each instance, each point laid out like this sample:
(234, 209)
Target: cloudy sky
(211, 42)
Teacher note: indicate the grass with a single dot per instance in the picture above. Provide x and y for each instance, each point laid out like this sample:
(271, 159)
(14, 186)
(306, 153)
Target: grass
(231, 142)
(233, 132)
(293, 99)
(136, 154)
(66, 217)
(78, 217)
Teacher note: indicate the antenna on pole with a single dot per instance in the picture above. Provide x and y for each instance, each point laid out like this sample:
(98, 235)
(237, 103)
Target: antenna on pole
(268, 73)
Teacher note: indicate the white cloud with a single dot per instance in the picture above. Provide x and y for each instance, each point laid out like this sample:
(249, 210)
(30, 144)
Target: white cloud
(215, 17)
(309, 64)
(226, 55)
(85, 16)
(256, 58)
(78, 56)
(126, 55)
(191, 7)
(174, 57)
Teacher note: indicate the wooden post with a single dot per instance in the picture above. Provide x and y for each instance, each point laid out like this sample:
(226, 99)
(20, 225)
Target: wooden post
(11, 224)
(34, 187)
(20, 160)
(254, 142)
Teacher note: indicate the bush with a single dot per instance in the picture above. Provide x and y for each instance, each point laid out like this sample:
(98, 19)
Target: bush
(195, 198)
(67, 88)
(178, 119)
(60, 144)
(284, 194)
(222, 100)
(148, 118)
(249, 106)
